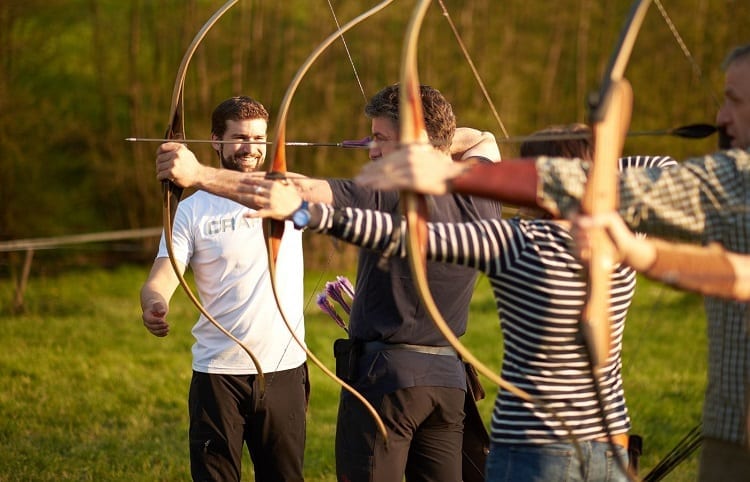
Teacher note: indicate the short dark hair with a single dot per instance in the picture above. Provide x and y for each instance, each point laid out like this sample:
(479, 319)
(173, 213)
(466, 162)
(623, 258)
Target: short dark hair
(552, 142)
(440, 122)
(236, 108)
(738, 53)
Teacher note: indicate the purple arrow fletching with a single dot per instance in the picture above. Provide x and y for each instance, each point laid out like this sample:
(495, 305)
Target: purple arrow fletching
(335, 292)
(346, 285)
(328, 308)
(365, 142)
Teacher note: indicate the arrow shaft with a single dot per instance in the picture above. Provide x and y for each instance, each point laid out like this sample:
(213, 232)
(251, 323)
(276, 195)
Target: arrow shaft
(354, 144)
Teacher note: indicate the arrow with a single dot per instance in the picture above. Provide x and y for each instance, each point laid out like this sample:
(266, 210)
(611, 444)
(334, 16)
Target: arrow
(690, 131)
(364, 143)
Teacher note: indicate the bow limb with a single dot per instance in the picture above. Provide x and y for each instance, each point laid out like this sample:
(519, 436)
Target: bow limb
(610, 118)
(274, 230)
(414, 206)
(176, 127)
(172, 193)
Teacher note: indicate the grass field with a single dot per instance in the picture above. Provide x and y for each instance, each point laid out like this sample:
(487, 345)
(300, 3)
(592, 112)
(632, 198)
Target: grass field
(89, 395)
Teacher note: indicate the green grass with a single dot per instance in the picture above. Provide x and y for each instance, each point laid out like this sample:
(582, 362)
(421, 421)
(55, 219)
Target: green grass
(89, 395)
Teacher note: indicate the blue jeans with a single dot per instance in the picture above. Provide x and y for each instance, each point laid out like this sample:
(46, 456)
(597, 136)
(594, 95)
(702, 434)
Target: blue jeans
(555, 462)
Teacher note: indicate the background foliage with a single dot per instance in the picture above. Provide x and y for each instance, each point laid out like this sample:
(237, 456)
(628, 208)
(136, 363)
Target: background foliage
(78, 76)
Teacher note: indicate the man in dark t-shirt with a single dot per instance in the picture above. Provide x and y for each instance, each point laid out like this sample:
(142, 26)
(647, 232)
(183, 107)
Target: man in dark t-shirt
(404, 366)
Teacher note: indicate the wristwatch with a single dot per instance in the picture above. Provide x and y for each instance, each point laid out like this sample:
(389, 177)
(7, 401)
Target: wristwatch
(301, 217)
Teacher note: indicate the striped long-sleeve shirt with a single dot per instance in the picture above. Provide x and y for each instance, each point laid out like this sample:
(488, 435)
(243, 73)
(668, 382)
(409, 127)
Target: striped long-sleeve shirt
(540, 290)
(705, 199)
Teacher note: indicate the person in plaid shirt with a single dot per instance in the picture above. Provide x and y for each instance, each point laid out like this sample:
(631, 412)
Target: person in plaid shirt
(704, 200)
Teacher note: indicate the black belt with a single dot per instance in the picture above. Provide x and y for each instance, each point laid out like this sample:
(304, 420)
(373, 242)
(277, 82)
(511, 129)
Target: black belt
(375, 346)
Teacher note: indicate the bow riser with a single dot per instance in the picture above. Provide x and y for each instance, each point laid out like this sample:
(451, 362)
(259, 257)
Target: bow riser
(273, 228)
(601, 197)
(171, 192)
(274, 232)
(610, 119)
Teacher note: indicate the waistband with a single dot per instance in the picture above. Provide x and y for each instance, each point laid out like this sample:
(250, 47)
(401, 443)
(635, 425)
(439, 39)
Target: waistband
(375, 346)
(620, 439)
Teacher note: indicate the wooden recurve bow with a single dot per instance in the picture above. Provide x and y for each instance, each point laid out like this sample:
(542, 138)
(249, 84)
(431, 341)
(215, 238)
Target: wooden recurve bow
(274, 230)
(610, 112)
(414, 206)
(172, 193)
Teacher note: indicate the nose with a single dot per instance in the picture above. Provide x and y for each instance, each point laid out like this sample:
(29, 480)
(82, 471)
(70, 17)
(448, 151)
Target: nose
(249, 149)
(243, 147)
(374, 151)
(722, 117)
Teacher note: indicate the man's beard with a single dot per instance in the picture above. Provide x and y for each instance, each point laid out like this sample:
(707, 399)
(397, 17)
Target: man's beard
(241, 163)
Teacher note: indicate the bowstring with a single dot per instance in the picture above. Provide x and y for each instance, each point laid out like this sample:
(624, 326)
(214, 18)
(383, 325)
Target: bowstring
(305, 310)
(685, 51)
(332, 250)
(473, 67)
(346, 48)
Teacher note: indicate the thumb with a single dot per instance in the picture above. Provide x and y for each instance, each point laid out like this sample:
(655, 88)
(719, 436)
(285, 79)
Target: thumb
(159, 309)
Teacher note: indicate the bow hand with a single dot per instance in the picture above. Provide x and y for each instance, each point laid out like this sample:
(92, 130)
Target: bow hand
(414, 167)
(178, 164)
(272, 199)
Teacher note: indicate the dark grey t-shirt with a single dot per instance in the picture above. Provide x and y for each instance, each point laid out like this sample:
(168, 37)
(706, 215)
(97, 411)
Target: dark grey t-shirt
(387, 307)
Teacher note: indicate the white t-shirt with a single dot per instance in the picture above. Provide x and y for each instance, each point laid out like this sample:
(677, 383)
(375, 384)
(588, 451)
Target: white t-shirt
(228, 256)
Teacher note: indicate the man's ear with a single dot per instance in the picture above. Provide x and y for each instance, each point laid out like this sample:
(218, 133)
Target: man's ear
(216, 146)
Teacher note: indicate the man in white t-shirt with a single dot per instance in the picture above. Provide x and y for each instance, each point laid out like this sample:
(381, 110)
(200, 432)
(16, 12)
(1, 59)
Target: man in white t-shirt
(227, 254)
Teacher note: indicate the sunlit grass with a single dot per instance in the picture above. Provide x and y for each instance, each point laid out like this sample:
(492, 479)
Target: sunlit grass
(89, 395)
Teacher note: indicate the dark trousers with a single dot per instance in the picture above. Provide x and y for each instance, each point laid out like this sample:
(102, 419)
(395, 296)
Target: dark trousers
(226, 411)
(723, 461)
(425, 431)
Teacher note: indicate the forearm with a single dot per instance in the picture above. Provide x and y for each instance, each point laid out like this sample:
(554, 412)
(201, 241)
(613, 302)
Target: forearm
(512, 181)
(160, 284)
(222, 182)
(367, 229)
(709, 270)
(226, 183)
(455, 243)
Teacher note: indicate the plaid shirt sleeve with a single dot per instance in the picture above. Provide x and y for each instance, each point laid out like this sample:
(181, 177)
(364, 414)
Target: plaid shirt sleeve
(699, 200)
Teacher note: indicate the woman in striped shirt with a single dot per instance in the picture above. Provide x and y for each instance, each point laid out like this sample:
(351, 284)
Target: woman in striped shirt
(540, 290)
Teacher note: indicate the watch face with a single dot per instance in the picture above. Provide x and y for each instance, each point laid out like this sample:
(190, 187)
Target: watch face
(301, 217)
